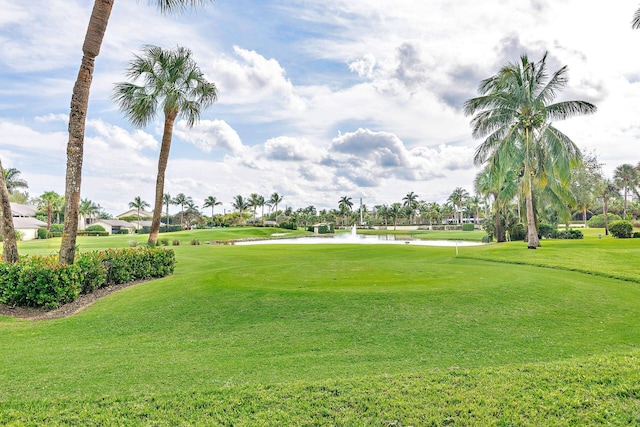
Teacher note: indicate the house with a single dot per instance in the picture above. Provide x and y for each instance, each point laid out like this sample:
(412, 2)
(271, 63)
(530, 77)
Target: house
(114, 226)
(134, 213)
(25, 221)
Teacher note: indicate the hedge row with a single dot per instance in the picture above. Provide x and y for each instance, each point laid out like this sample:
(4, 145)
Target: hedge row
(42, 282)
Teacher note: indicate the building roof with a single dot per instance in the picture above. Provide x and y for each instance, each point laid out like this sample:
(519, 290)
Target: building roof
(22, 223)
(134, 212)
(115, 223)
(18, 209)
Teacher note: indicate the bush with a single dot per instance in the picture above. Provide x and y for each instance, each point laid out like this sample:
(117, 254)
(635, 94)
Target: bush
(176, 242)
(133, 243)
(42, 281)
(55, 233)
(288, 225)
(95, 227)
(636, 235)
(597, 221)
(517, 232)
(487, 238)
(57, 228)
(42, 233)
(163, 242)
(123, 231)
(195, 242)
(92, 233)
(621, 229)
(468, 227)
(546, 230)
(325, 228)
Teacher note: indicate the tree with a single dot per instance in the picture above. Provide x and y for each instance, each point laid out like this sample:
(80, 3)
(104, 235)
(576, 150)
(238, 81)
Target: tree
(457, 199)
(410, 202)
(606, 188)
(171, 81)
(167, 200)
(182, 200)
(275, 200)
(13, 181)
(48, 201)
(9, 245)
(635, 22)
(395, 212)
(77, 117)
(139, 204)
(254, 202)
(514, 113)
(88, 209)
(211, 202)
(583, 183)
(240, 204)
(626, 177)
(344, 205)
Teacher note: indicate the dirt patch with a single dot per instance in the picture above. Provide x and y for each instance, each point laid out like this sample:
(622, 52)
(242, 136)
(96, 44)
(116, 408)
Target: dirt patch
(83, 301)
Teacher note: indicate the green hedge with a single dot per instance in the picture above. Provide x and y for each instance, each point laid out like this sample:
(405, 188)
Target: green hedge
(92, 233)
(43, 282)
(468, 227)
(621, 229)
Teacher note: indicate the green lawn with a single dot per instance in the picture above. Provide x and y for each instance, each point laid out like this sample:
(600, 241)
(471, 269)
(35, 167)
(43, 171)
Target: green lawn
(341, 335)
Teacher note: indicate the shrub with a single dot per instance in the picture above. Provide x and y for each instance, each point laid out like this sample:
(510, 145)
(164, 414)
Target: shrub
(487, 238)
(163, 242)
(621, 229)
(133, 243)
(517, 232)
(95, 227)
(636, 235)
(56, 228)
(42, 281)
(325, 228)
(55, 233)
(92, 233)
(468, 227)
(597, 221)
(195, 242)
(176, 242)
(42, 233)
(546, 230)
(310, 228)
(288, 225)
(123, 231)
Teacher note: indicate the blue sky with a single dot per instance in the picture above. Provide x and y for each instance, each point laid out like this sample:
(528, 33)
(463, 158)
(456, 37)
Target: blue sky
(318, 99)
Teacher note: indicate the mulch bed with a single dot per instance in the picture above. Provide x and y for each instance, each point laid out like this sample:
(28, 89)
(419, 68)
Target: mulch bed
(83, 301)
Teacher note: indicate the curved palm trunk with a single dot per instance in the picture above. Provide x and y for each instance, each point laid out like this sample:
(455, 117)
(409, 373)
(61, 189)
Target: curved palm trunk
(606, 216)
(532, 232)
(162, 167)
(9, 244)
(77, 118)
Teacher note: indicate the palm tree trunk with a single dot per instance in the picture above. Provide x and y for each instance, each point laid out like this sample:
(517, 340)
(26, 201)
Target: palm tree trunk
(9, 244)
(606, 216)
(532, 233)
(162, 167)
(77, 118)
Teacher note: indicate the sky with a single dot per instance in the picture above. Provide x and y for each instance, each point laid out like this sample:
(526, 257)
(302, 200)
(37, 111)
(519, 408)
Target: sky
(318, 99)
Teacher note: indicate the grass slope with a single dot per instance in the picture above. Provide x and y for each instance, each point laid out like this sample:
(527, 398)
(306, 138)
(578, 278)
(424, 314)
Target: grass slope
(330, 335)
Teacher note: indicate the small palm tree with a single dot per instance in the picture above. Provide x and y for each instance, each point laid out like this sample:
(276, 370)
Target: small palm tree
(410, 202)
(626, 177)
(139, 204)
(47, 201)
(211, 202)
(275, 200)
(254, 202)
(13, 181)
(344, 205)
(182, 200)
(167, 200)
(458, 198)
(171, 81)
(606, 188)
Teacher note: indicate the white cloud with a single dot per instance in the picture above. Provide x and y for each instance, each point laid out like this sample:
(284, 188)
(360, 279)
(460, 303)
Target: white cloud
(210, 134)
(288, 148)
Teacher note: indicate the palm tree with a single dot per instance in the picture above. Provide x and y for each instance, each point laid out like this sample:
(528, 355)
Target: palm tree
(240, 204)
(172, 82)
(79, 103)
(254, 202)
(275, 200)
(513, 113)
(626, 177)
(410, 201)
(9, 245)
(344, 205)
(182, 200)
(395, 212)
(606, 188)
(47, 201)
(167, 200)
(211, 202)
(635, 22)
(88, 210)
(457, 199)
(261, 202)
(12, 180)
(139, 204)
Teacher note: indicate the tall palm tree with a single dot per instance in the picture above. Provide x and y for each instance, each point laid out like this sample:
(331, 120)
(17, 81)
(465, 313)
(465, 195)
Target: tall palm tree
(344, 205)
(167, 200)
(9, 244)
(261, 202)
(88, 209)
(172, 82)
(13, 181)
(457, 199)
(139, 204)
(240, 204)
(79, 102)
(626, 177)
(395, 212)
(410, 201)
(514, 113)
(606, 188)
(254, 202)
(275, 200)
(635, 22)
(211, 202)
(182, 200)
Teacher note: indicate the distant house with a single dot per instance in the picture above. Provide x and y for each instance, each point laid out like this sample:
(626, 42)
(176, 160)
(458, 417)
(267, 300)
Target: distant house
(114, 226)
(134, 213)
(25, 221)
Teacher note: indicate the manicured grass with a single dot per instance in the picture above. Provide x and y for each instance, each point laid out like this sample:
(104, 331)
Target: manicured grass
(475, 235)
(347, 335)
